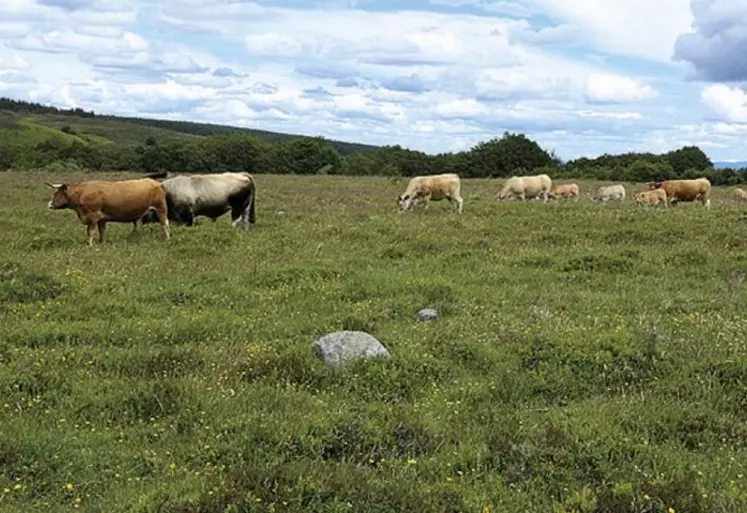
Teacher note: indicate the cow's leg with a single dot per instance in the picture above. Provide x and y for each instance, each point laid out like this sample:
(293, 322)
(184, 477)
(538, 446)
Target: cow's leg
(426, 202)
(544, 196)
(90, 225)
(163, 218)
(187, 215)
(707, 203)
(460, 204)
(102, 229)
(136, 225)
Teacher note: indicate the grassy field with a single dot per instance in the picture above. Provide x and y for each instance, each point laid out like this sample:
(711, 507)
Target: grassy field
(588, 358)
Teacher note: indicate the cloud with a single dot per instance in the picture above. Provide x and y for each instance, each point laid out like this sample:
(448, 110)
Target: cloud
(608, 88)
(717, 45)
(637, 28)
(575, 77)
(71, 5)
(507, 8)
(728, 103)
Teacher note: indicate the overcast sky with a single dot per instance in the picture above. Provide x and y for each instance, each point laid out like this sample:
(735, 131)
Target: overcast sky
(582, 77)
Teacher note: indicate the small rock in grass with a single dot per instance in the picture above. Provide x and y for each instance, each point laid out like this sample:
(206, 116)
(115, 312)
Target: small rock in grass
(341, 346)
(428, 314)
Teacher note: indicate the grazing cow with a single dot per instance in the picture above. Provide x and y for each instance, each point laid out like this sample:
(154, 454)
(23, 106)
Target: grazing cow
(686, 190)
(740, 196)
(98, 202)
(610, 193)
(652, 198)
(433, 187)
(566, 190)
(210, 195)
(526, 187)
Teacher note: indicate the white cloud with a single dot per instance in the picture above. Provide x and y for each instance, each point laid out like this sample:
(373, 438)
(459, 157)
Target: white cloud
(639, 28)
(609, 88)
(728, 103)
(428, 80)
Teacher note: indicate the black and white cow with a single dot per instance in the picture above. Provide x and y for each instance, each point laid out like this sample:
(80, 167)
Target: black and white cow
(210, 195)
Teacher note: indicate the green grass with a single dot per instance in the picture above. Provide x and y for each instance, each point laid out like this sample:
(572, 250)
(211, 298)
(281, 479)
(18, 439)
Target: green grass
(588, 358)
(29, 129)
(15, 131)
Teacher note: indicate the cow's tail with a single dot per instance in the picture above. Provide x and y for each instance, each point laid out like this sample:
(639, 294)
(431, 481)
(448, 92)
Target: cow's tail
(252, 198)
(157, 175)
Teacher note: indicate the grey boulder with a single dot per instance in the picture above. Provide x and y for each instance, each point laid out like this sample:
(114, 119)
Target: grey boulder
(341, 346)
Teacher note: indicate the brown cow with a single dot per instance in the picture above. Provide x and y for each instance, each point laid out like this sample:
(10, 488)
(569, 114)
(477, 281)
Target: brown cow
(652, 198)
(740, 196)
(685, 190)
(98, 202)
(566, 190)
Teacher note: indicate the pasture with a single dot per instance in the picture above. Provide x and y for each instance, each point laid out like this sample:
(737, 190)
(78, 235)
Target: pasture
(587, 357)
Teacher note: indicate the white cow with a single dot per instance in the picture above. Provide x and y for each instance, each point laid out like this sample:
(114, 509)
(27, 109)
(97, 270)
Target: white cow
(526, 187)
(433, 187)
(610, 193)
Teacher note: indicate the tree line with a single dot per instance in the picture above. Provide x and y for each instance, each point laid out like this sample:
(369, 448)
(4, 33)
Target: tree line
(509, 154)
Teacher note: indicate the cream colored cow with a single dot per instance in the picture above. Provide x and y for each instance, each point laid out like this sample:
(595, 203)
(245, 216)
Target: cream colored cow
(526, 187)
(434, 187)
(610, 193)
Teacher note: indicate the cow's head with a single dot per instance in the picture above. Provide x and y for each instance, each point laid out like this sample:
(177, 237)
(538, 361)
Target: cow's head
(60, 198)
(654, 185)
(404, 202)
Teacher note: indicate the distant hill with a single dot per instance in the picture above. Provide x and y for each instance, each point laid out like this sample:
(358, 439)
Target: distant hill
(23, 123)
(741, 164)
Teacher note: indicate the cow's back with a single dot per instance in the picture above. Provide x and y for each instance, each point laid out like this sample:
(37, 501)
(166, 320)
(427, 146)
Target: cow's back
(442, 186)
(124, 200)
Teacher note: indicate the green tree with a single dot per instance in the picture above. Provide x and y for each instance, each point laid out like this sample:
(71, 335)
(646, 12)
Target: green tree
(502, 157)
(688, 157)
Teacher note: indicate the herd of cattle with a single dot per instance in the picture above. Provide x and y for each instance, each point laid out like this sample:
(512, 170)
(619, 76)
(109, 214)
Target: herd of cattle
(423, 189)
(183, 198)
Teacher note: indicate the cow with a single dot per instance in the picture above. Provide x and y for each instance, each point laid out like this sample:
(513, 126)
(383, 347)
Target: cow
(610, 192)
(566, 190)
(652, 197)
(433, 187)
(740, 196)
(97, 202)
(526, 187)
(210, 195)
(686, 190)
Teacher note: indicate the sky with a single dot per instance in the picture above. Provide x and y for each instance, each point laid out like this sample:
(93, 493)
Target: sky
(581, 77)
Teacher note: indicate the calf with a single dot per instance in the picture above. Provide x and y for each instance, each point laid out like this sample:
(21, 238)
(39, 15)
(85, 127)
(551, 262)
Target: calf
(566, 190)
(652, 198)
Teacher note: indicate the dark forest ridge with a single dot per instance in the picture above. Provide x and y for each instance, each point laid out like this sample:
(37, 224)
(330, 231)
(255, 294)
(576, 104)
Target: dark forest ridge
(39, 137)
